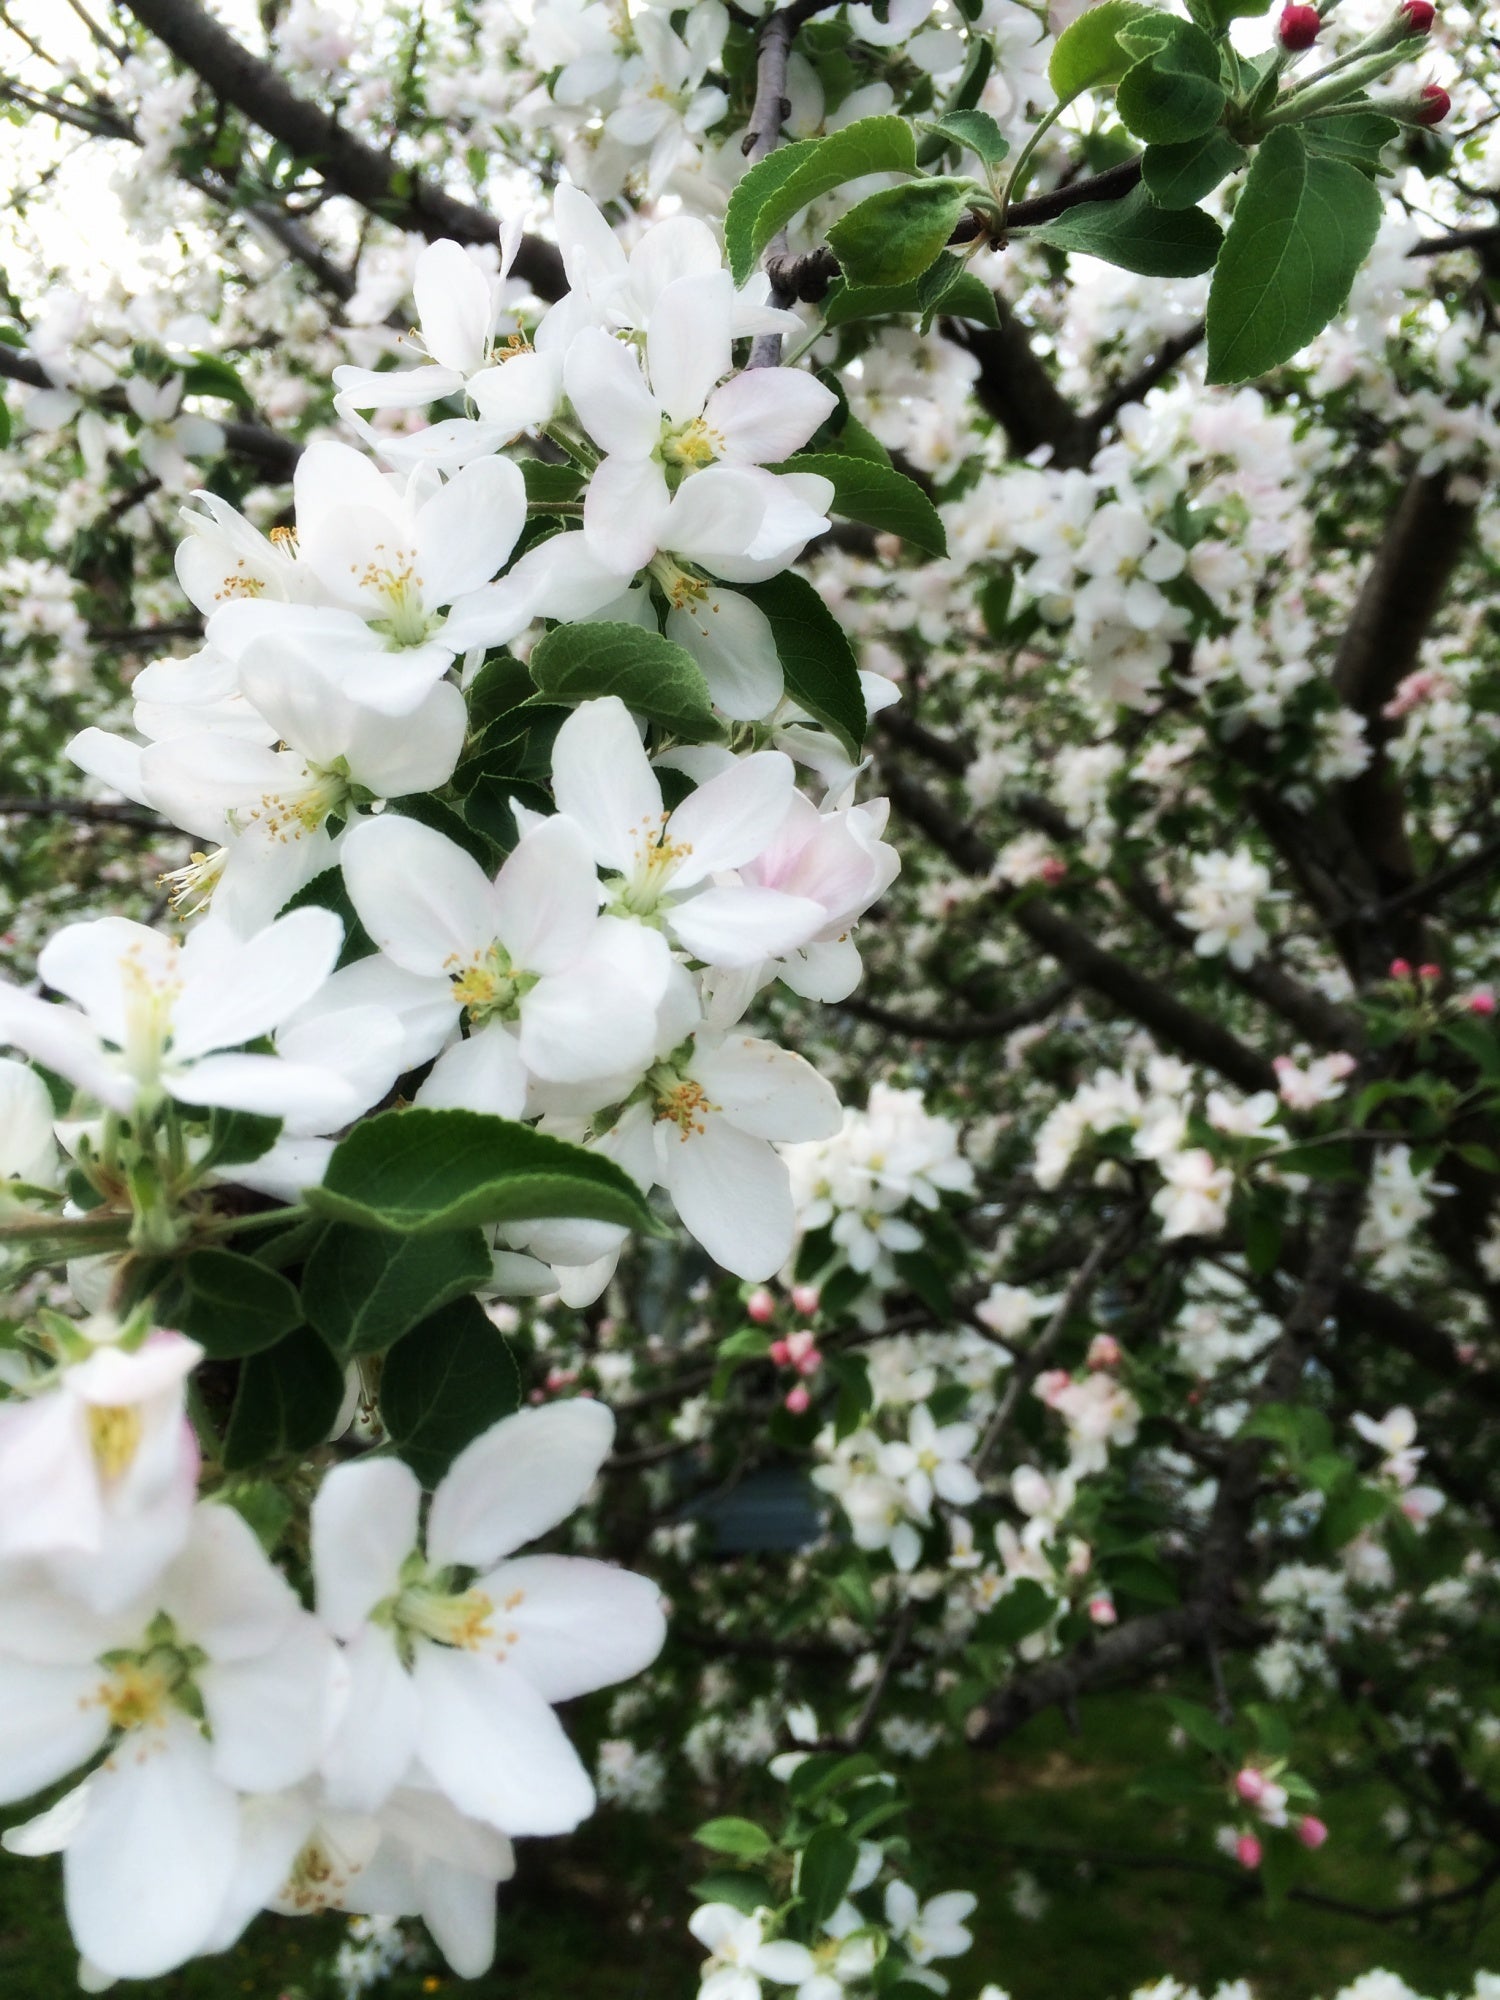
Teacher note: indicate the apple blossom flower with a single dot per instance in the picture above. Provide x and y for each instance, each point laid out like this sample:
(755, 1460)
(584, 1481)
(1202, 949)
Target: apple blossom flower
(168, 441)
(741, 1955)
(1195, 1199)
(930, 1463)
(934, 1929)
(455, 1647)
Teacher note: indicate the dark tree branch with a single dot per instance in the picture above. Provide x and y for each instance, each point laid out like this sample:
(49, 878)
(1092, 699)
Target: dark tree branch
(85, 810)
(977, 1028)
(348, 164)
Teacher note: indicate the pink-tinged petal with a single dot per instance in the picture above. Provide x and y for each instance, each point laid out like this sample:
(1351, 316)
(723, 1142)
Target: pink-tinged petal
(603, 781)
(547, 897)
(732, 641)
(455, 305)
(484, 1073)
(50, 1724)
(609, 393)
(148, 1871)
(427, 904)
(765, 414)
(466, 531)
(375, 1734)
(625, 513)
(727, 822)
(688, 342)
(492, 1744)
(733, 1194)
(516, 1480)
(737, 927)
(364, 1526)
(571, 1625)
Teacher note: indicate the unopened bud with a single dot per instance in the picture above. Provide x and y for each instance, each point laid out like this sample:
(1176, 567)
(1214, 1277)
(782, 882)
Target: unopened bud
(1102, 1610)
(1416, 16)
(798, 1399)
(760, 1306)
(1299, 27)
(1429, 971)
(1310, 1831)
(780, 1353)
(1434, 104)
(1400, 968)
(1250, 1784)
(1054, 870)
(1481, 1001)
(1104, 1351)
(1247, 1851)
(809, 1363)
(805, 1299)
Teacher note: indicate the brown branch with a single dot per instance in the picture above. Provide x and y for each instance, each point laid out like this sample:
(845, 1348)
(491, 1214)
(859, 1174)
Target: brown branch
(347, 164)
(85, 810)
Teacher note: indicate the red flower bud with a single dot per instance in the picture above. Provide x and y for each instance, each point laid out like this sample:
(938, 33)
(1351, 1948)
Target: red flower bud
(1400, 969)
(780, 1353)
(1436, 104)
(1416, 16)
(1429, 971)
(1481, 1002)
(1311, 1832)
(1299, 27)
(797, 1399)
(760, 1306)
(1250, 1784)
(805, 1299)
(1247, 1851)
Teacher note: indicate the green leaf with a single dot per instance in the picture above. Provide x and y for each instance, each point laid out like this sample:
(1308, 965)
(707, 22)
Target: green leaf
(1020, 1612)
(498, 689)
(967, 297)
(822, 674)
(770, 194)
(1175, 93)
(4, 423)
(975, 131)
(1360, 137)
(449, 1379)
(875, 494)
(288, 1401)
(363, 1288)
(1200, 1724)
(743, 1892)
(1303, 226)
(825, 1868)
(735, 1836)
(654, 677)
(1181, 175)
(891, 238)
(231, 1305)
(1479, 1043)
(1137, 235)
(211, 375)
(237, 1137)
(551, 485)
(416, 1170)
(1088, 55)
(327, 892)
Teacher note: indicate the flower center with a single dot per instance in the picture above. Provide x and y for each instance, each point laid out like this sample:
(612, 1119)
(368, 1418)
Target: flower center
(148, 996)
(141, 1684)
(489, 986)
(392, 576)
(115, 1436)
(289, 815)
(190, 889)
(694, 444)
(679, 1100)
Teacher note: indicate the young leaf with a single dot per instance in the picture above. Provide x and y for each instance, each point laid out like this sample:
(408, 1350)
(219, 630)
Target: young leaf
(878, 495)
(415, 1170)
(1137, 235)
(237, 1137)
(1175, 93)
(822, 674)
(962, 296)
(1360, 137)
(1180, 176)
(1303, 227)
(231, 1305)
(363, 1288)
(825, 1868)
(975, 131)
(653, 676)
(891, 238)
(1088, 55)
(770, 194)
(741, 1837)
(288, 1400)
(449, 1379)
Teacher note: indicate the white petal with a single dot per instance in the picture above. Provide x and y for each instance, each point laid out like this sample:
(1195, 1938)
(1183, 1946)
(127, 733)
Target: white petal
(63, 1040)
(737, 927)
(688, 342)
(577, 1625)
(267, 1086)
(765, 414)
(268, 1715)
(455, 304)
(547, 897)
(519, 394)
(49, 1724)
(427, 904)
(364, 1526)
(459, 1910)
(603, 781)
(149, 1869)
(516, 1480)
(733, 1194)
(484, 1073)
(466, 531)
(237, 989)
(393, 756)
(732, 641)
(607, 389)
(729, 820)
(625, 513)
(398, 389)
(767, 1090)
(716, 516)
(494, 1746)
(376, 1736)
(223, 1593)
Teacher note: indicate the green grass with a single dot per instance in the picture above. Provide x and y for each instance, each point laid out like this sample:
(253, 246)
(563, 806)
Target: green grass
(601, 1916)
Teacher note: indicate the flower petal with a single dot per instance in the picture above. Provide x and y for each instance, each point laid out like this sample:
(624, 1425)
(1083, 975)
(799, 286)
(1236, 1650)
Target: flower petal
(364, 1526)
(493, 1745)
(516, 1480)
(571, 1625)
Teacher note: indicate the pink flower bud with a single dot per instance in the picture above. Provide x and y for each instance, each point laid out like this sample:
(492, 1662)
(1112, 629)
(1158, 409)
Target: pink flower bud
(1299, 27)
(1250, 1784)
(1310, 1831)
(1481, 1001)
(1104, 1351)
(760, 1307)
(1052, 1383)
(1429, 971)
(1247, 1851)
(797, 1400)
(803, 1341)
(809, 1363)
(805, 1299)
(781, 1353)
(1102, 1610)
(1436, 104)
(1054, 870)
(1400, 969)
(1416, 16)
